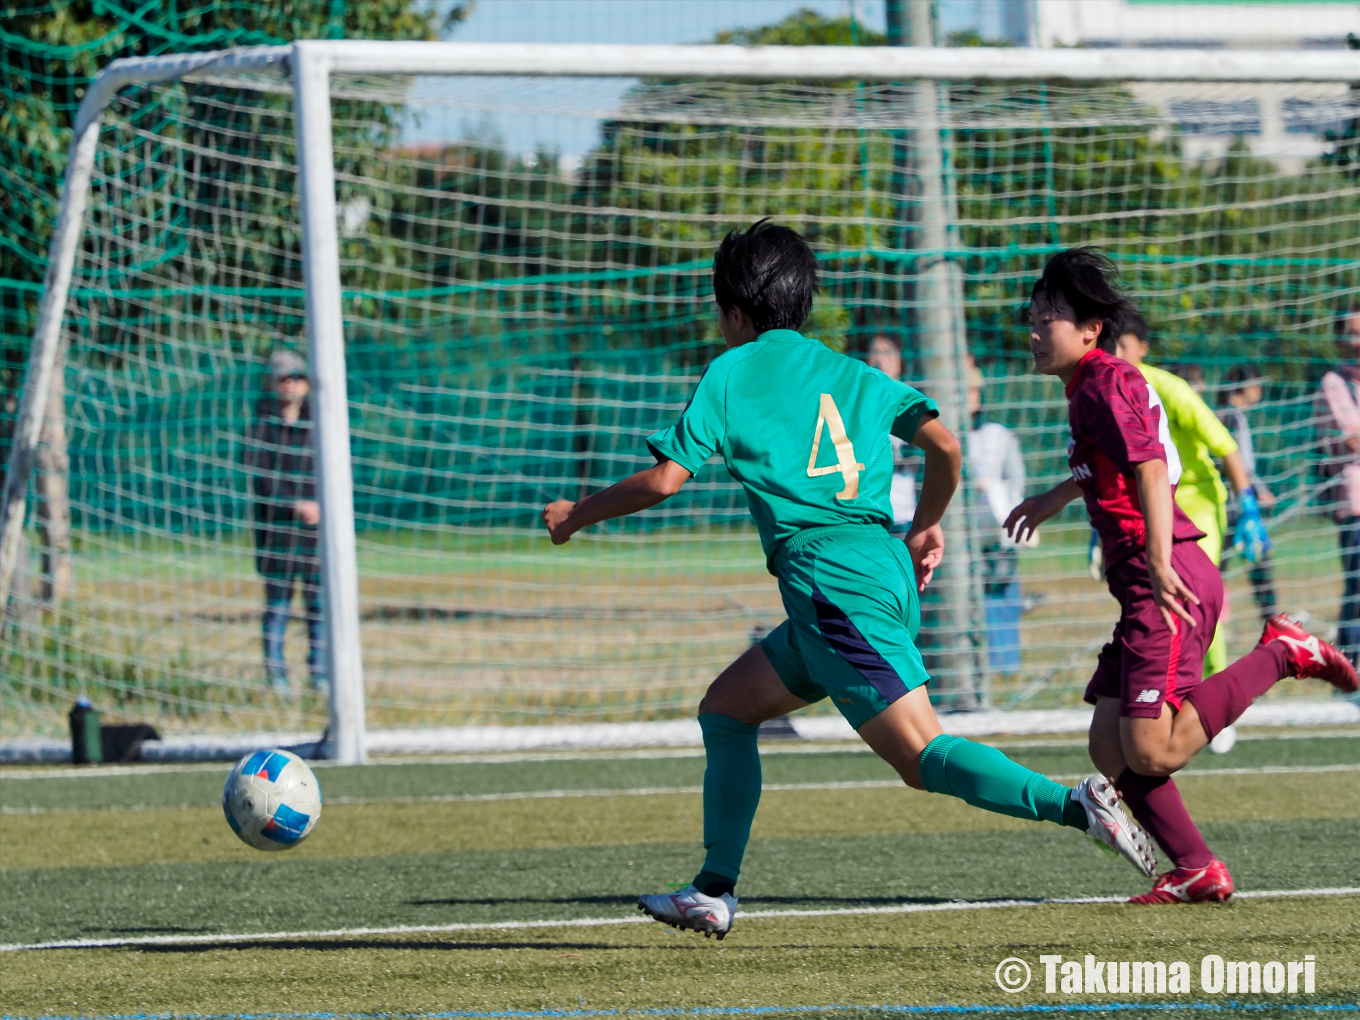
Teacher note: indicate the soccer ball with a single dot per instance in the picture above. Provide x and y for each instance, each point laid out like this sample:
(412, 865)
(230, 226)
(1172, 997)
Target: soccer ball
(272, 800)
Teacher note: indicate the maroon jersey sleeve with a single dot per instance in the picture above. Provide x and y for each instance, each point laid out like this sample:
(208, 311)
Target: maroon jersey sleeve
(1118, 416)
(1117, 424)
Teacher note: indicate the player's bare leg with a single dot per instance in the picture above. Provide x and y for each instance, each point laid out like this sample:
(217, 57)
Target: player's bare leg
(750, 691)
(901, 732)
(1103, 741)
(1161, 746)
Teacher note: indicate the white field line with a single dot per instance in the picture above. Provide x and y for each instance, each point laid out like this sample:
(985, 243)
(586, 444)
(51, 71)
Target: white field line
(480, 798)
(1269, 770)
(664, 791)
(487, 758)
(594, 922)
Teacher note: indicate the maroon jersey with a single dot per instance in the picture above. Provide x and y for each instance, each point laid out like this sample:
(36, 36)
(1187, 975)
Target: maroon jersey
(1117, 421)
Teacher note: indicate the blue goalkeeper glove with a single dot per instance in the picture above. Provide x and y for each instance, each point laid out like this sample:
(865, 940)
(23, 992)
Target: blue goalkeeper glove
(1250, 538)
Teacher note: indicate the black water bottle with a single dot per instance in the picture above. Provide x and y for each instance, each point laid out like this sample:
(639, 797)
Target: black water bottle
(86, 747)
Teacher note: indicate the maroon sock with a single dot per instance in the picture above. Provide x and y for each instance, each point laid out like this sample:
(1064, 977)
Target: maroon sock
(1156, 803)
(1226, 695)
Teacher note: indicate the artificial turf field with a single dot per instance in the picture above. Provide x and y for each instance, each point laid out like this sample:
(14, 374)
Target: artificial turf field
(856, 893)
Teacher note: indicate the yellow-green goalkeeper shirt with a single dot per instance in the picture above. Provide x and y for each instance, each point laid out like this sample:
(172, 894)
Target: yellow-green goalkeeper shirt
(1199, 436)
(802, 428)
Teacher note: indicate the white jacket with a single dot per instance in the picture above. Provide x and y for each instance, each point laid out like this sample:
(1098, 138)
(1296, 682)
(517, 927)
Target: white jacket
(997, 470)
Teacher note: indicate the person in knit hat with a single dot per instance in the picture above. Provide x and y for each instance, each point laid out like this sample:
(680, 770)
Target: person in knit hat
(280, 461)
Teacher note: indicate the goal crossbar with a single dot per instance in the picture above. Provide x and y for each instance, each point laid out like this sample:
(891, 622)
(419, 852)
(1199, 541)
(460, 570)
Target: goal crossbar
(311, 63)
(749, 63)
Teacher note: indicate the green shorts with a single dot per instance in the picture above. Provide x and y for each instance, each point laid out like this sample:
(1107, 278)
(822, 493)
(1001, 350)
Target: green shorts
(850, 594)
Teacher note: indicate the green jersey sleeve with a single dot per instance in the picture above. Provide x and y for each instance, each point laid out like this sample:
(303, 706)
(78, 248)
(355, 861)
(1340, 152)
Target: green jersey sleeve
(1214, 433)
(1187, 411)
(698, 433)
(912, 407)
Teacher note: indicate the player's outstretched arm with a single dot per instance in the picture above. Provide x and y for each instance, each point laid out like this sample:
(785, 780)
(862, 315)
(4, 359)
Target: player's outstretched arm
(636, 492)
(1025, 519)
(944, 462)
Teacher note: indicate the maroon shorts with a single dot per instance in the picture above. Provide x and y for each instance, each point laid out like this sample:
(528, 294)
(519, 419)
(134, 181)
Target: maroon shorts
(1145, 663)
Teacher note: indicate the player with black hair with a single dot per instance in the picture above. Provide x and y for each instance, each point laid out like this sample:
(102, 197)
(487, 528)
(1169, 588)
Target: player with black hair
(806, 432)
(1153, 708)
(1083, 280)
(769, 273)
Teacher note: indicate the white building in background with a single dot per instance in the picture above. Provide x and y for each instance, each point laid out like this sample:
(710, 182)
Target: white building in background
(1283, 123)
(1283, 23)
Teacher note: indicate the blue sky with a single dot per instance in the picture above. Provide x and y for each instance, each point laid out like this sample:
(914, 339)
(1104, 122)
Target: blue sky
(637, 21)
(528, 115)
(677, 21)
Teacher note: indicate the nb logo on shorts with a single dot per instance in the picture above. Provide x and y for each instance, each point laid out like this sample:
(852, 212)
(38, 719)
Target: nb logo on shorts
(1148, 697)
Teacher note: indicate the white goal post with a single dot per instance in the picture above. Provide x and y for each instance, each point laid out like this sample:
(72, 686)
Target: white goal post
(311, 65)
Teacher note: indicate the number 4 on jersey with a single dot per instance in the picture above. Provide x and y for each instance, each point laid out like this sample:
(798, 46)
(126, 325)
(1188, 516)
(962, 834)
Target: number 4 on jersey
(830, 416)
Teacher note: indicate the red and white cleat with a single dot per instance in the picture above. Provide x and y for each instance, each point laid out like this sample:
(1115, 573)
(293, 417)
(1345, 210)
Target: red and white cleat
(689, 908)
(1211, 884)
(1310, 655)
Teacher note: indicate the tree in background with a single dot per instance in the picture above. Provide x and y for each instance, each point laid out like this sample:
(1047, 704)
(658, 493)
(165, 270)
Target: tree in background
(805, 27)
(607, 263)
(462, 259)
(49, 54)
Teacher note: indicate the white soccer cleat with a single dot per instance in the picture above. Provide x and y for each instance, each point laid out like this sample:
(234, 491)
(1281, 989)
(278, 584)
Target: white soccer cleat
(1111, 829)
(689, 908)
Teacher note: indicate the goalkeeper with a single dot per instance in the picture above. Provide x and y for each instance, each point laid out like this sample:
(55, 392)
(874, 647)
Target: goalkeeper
(806, 432)
(1199, 437)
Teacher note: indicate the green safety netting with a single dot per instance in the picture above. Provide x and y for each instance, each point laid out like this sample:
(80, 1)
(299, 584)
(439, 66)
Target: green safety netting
(517, 322)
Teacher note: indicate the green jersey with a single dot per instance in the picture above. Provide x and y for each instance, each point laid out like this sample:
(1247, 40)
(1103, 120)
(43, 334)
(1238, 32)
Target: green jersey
(803, 429)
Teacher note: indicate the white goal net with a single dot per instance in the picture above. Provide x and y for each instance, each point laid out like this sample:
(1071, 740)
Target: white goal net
(524, 283)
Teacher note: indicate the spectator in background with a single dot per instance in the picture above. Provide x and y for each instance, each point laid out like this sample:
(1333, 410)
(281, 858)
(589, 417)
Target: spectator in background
(279, 459)
(1338, 410)
(1242, 390)
(997, 471)
(1193, 373)
(885, 354)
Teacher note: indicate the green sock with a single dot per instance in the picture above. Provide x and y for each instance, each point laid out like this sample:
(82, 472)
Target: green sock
(986, 778)
(731, 793)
